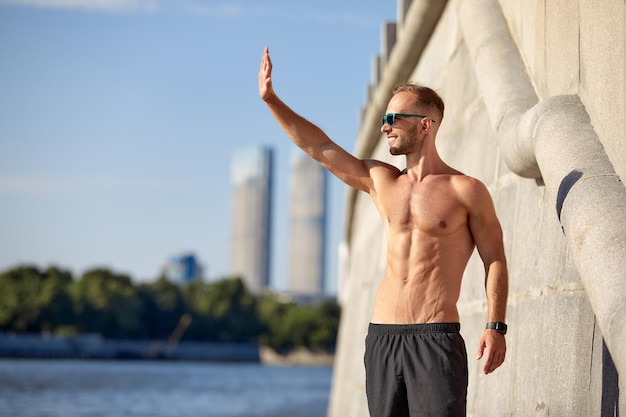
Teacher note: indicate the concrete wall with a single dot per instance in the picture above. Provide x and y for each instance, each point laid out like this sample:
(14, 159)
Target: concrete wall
(502, 68)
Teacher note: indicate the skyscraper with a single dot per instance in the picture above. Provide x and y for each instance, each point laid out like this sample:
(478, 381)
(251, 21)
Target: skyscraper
(182, 269)
(307, 235)
(251, 229)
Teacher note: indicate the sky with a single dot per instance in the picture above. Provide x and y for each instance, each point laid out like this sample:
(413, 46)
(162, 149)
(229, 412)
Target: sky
(119, 120)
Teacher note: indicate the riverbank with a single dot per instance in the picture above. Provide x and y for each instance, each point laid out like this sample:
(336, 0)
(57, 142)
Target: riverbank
(94, 346)
(298, 356)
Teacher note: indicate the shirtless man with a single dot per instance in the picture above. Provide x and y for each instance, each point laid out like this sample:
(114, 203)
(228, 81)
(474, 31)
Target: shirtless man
(434, 216)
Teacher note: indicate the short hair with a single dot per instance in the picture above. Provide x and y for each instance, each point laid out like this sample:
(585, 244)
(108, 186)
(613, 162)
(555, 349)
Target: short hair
(424, 97)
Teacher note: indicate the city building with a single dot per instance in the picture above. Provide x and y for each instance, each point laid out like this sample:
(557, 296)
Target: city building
(182, 269)
(307, 232)
(251, 216)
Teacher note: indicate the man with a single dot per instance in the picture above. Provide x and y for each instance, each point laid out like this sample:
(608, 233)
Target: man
(434, 216)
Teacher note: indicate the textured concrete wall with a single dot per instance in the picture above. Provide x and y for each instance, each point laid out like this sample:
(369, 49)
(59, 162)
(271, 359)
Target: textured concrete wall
(578, 47)
(558, 363)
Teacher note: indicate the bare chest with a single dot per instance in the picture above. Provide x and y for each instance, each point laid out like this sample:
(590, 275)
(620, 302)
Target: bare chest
(432, 208)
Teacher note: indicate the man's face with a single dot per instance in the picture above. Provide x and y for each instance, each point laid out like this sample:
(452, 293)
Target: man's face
(402, 142)
(403, 136)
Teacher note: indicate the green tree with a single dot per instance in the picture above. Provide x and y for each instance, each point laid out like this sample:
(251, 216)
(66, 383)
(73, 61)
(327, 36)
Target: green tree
(163, 307)
(33, 301)
(324, 336)
(55, 304)
(19, 305)
(225, 310)
(291, 325)
(197, 301)
(109, 304)
(272, 313)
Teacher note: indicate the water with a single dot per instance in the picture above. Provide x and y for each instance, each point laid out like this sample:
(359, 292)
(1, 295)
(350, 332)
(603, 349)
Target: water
(75, 388)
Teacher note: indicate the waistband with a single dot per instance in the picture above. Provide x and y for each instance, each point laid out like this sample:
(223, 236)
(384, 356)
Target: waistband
(414, 328)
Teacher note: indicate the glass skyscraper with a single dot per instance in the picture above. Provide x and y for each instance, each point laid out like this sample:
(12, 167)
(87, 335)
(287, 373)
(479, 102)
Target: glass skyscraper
(252, 177)
(182, 269)
(307, 234)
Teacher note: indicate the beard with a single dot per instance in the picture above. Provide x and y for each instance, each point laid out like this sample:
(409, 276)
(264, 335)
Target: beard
(406, 143)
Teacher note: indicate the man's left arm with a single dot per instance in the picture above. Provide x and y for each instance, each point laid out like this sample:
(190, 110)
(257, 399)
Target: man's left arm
(487, 235)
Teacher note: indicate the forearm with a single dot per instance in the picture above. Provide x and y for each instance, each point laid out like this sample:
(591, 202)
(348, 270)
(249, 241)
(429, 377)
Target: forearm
(497, 288)
(303, 133)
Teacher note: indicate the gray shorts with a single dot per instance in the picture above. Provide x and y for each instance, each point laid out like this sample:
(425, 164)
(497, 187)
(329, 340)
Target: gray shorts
(416, 370)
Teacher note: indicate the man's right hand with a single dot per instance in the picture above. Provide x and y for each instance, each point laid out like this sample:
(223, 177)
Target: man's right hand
(266, 91)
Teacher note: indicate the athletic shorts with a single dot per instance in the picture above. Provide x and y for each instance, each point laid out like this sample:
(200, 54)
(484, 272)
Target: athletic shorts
(416, 370)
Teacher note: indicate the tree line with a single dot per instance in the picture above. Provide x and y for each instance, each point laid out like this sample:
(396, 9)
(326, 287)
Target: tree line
(104, 302)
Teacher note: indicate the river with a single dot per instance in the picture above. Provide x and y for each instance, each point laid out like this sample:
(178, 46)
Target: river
(89, 388)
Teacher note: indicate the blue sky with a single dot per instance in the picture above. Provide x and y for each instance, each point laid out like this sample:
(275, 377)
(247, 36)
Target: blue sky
(119, 119)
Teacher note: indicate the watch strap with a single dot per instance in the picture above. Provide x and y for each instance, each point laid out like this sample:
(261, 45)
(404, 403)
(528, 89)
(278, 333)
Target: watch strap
(498, 326)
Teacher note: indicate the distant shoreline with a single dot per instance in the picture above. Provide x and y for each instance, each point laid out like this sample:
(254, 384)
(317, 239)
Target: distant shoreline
(298, 356)
(94, 346)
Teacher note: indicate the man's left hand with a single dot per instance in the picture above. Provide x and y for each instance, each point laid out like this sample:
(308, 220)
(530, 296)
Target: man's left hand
(492, 346)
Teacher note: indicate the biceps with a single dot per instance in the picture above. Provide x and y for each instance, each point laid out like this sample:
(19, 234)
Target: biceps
(487, 235)
(349, 169)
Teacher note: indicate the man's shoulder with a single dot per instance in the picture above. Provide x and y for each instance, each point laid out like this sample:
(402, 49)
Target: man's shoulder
(379, 168)
(376, 163)
(468, 180)
(458, 180)
(470, 190)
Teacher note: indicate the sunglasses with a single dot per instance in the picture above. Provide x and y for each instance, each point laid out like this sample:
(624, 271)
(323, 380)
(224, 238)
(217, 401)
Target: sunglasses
(390, 118)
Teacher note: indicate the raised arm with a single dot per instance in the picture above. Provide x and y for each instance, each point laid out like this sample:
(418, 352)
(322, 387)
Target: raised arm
(311, 138)
(487, 235)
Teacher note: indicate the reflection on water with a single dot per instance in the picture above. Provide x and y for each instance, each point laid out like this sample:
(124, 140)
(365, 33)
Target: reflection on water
(73, 388)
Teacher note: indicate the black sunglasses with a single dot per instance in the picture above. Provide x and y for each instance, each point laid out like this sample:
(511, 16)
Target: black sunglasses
(390, 118)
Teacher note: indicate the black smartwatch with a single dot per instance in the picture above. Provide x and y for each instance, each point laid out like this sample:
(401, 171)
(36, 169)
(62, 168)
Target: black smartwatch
(498, 326)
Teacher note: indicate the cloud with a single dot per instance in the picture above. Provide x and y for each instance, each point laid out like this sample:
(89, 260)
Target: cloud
(32, 186)
(66, 186)
(215, 10)
(110, 6)
(296, 11)
(293, 12)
